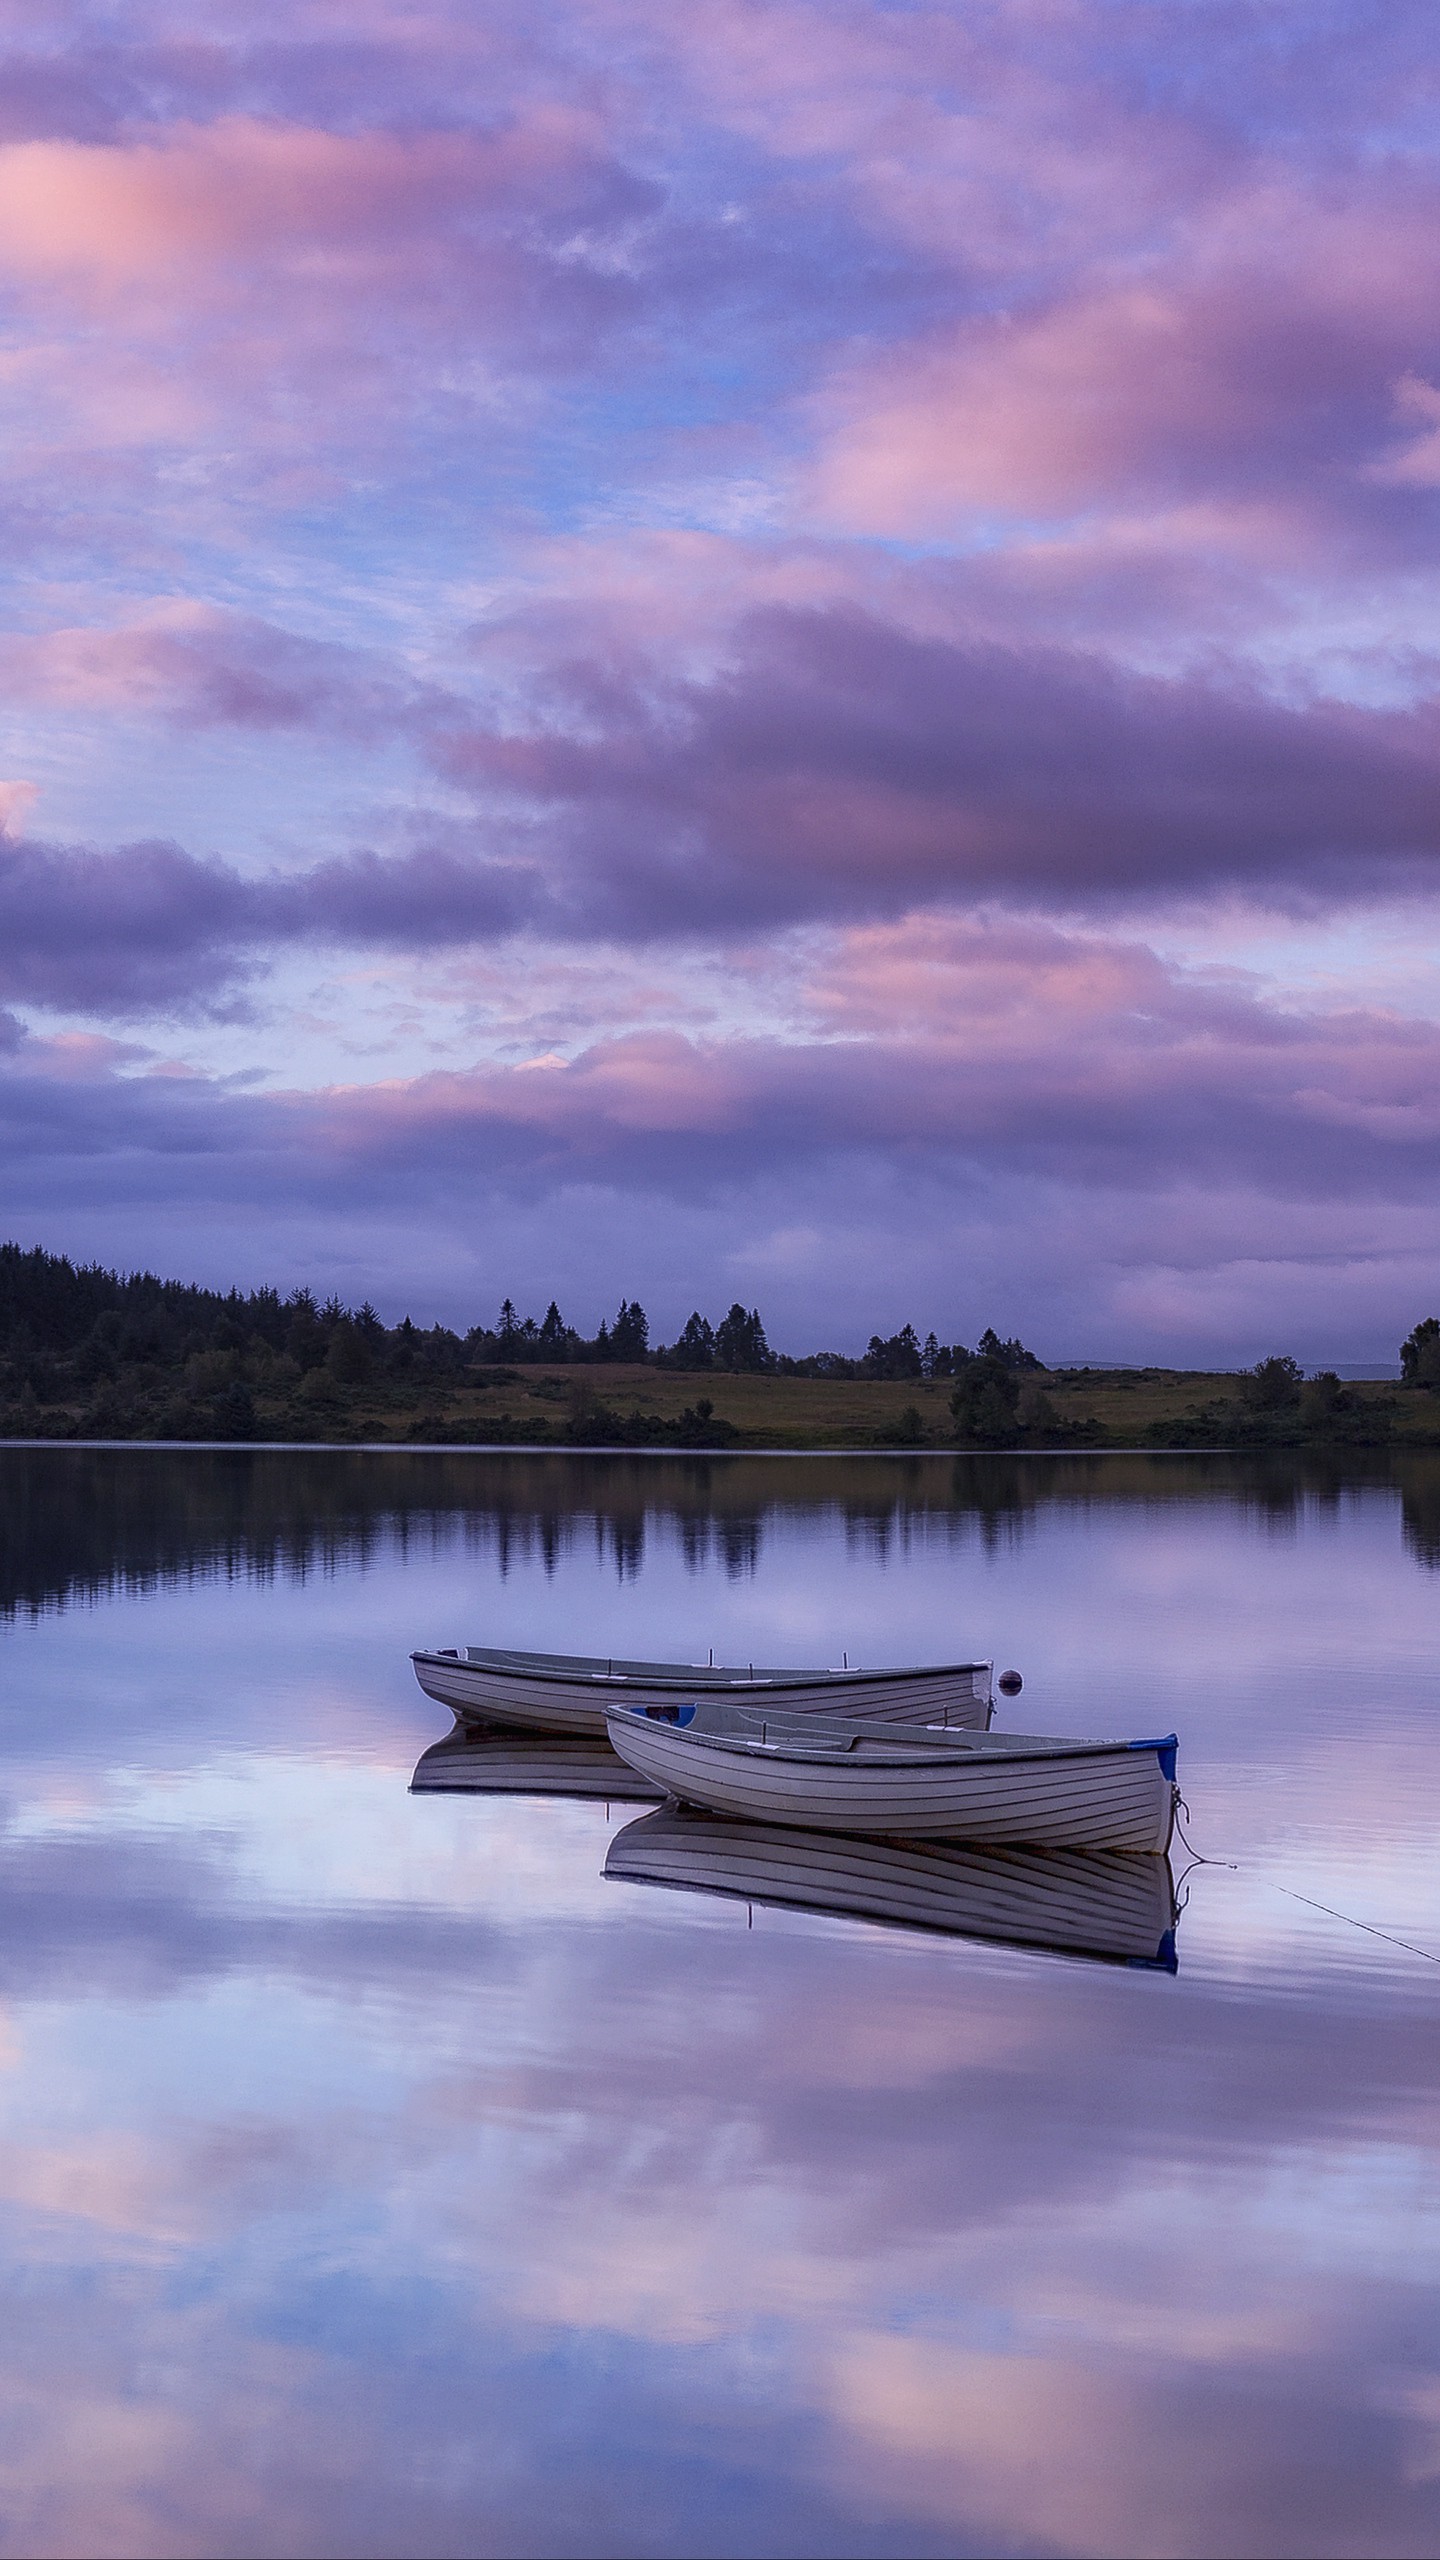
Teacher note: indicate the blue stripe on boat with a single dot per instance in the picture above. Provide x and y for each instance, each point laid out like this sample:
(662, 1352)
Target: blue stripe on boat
(1166, 1745)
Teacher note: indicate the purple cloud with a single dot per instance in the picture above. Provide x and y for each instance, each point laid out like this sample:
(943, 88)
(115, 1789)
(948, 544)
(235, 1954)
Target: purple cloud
(837, 765)
(151, 928)
(116, 932)
(837, 769)
(1087, 1110)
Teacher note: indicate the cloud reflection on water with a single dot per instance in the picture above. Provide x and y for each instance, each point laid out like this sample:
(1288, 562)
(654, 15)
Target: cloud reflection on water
(376, 2177)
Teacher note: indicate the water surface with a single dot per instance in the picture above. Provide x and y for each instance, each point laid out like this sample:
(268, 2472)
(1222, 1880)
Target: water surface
(377, 2176)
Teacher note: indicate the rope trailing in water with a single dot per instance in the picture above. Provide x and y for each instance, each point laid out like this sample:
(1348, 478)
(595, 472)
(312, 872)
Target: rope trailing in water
(1368, 1926)
(1198, 1859)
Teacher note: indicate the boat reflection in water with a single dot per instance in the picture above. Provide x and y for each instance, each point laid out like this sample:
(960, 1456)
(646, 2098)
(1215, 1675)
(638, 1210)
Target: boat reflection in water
(1116, 1906)
(472, 1762)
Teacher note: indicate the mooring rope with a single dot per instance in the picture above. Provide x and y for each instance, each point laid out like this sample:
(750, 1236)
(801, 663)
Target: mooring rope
(1367, 1925)
(1198, 1859)
(1197, 1856)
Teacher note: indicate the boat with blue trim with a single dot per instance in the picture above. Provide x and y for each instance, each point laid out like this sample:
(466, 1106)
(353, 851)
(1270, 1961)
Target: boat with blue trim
(911, 1782)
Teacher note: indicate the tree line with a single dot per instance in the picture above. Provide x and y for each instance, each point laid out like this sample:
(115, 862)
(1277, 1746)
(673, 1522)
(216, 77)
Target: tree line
(90, 1352)
(77, 1326)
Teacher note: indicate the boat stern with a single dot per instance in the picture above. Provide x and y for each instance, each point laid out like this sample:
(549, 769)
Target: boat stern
(1166, 1748)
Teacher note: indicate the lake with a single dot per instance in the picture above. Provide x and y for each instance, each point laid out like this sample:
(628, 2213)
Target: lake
(380, 2176)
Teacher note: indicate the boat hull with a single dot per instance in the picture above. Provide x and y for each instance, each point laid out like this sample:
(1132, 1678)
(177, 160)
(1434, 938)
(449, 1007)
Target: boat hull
(553, 1694)
(1115, 1908)
(1029, 1789)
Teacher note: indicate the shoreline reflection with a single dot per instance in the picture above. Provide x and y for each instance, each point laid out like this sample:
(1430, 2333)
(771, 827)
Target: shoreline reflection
(1101, 1905)
(89, 1522)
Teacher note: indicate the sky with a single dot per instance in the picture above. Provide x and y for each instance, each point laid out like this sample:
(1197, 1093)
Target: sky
(776, 651)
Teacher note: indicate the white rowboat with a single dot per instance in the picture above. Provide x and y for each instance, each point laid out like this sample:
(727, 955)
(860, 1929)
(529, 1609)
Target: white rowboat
(473, 1762)
(918, 1783)
(570, 1692)
(1079, 1902)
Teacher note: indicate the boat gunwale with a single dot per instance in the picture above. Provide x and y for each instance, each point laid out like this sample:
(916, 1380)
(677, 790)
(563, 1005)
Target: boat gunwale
(555, 1669)
(948, 1749)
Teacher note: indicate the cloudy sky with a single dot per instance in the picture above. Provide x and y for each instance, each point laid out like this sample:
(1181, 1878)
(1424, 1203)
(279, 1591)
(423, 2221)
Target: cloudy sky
(770, 650)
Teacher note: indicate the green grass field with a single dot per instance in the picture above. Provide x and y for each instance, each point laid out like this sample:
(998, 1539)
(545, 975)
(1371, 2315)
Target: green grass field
(1103, 1409)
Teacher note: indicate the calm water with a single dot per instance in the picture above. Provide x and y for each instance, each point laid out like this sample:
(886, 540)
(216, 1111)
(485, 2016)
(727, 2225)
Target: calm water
(376, 2176)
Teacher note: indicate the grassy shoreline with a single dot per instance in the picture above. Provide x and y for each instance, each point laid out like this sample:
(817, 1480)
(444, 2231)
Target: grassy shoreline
(617, 1405)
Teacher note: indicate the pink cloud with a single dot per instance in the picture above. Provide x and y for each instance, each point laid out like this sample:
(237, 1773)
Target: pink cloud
(312, 205)
(1262, 343)
(189, 662)
(983, 140)
(1011, 1046)
(188, 285)
(17, 799)
(1017, 1042)
(1168, 1155)
(1417, 464)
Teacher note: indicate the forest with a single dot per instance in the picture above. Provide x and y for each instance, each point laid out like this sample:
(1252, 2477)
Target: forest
(93, 1354)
